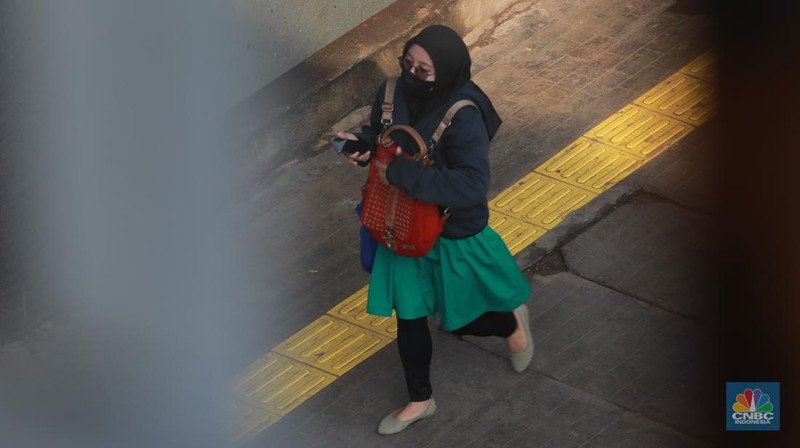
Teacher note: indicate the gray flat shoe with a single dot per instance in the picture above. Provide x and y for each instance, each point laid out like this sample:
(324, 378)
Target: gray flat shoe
(391, 425)
(520, 361)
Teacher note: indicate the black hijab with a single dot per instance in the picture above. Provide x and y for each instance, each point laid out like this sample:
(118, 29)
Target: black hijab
(451, 64)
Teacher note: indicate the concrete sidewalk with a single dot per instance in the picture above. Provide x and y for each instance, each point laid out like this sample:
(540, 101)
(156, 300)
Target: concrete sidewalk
(623, 298)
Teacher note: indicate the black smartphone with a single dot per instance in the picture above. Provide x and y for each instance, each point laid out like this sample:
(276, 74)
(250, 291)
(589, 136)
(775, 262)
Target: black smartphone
(338, 145)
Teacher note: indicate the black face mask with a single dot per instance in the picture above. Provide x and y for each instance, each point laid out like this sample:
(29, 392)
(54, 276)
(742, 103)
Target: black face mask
(415, 87)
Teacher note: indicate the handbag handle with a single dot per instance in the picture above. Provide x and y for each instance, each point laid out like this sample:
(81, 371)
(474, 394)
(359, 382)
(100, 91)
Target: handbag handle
(384, 140)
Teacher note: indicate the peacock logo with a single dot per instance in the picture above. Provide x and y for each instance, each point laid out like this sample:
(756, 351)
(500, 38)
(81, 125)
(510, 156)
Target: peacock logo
(753, 406)
(752, 400)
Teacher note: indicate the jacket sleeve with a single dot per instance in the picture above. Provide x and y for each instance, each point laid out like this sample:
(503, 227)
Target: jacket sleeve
(464, 180)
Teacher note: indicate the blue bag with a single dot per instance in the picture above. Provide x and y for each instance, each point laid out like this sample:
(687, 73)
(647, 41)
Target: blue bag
(369, 245)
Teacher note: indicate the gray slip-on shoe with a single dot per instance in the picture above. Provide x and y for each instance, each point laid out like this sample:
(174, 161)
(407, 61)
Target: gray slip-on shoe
(520, 361)
(391, 425)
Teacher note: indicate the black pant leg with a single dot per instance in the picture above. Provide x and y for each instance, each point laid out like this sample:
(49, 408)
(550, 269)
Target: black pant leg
(490, 323)
(416, 348)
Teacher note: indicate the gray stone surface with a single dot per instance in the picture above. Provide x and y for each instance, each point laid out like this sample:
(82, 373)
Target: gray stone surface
(654, 251)
(634, 431)
(686, 174)
(482, 403)
(574, 224)
(623, 350)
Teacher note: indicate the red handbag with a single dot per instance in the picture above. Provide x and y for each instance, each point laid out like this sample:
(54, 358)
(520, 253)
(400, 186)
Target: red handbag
(402, 224)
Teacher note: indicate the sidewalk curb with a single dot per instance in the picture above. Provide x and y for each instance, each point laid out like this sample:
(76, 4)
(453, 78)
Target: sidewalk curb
(575, 224)
(282, 121)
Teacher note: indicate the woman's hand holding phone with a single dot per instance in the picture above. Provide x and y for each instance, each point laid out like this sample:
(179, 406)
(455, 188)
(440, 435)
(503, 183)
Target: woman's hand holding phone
(355, 158)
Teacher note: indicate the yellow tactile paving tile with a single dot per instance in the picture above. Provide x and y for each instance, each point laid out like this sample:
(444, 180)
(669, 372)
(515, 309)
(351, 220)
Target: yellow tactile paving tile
(682, 97)
(249, 421)
(332, 345)
(590, 165)
(541, 200)
(278, 384)
(639, 131)
(704, 67)
(517, 234)
(354, 310)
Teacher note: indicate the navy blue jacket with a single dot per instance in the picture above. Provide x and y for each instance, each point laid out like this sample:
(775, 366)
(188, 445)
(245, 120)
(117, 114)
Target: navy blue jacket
(459, 178)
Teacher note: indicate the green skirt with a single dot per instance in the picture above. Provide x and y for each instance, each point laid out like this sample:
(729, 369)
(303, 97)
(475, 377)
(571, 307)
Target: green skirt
(458, 279)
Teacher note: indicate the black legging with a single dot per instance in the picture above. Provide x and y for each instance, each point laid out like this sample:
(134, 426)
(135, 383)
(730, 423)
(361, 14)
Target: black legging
(414, 343)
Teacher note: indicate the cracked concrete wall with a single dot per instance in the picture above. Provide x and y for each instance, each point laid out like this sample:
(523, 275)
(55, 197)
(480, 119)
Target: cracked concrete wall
(274, 36)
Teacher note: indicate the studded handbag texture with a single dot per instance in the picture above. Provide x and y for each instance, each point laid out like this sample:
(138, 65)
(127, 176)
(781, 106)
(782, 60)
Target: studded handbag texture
(402, 224)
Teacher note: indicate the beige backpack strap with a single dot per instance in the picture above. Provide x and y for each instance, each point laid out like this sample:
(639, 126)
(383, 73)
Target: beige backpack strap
(388, 102)
(448, 119)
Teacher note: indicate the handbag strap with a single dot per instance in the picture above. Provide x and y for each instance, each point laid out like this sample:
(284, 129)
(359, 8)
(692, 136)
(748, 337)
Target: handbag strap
(385, 139)
(388, 102)
(447, 120)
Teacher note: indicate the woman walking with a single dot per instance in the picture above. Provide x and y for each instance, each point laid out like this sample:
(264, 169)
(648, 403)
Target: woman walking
(469, 278)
